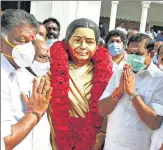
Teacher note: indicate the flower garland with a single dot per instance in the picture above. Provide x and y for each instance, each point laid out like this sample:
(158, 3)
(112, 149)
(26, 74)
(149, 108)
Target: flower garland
(76, 133)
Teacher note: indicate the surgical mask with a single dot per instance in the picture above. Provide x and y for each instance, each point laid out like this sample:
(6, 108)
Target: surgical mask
(50, 42)
(101, 26)
(155, 60)
(115, 49)
(159, 32)
(136, 62)
(39, 37)
(23, 55)
(40, 69)
(161, 67)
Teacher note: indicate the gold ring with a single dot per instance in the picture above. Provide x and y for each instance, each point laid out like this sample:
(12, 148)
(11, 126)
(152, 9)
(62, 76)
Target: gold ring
(44, 93)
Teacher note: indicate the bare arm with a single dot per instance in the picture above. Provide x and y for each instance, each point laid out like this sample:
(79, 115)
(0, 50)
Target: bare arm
(106, 106)
(20, 130)
(161, 147)
(37, 105)
(146, 114)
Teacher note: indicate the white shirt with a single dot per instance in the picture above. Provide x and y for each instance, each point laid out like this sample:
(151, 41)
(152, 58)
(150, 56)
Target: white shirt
(13, 82)
(157, 139)
(125, 130)
(121, 64)
(122, 29)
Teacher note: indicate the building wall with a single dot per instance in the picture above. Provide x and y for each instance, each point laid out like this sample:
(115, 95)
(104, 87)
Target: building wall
(66, 11)
(132, 11)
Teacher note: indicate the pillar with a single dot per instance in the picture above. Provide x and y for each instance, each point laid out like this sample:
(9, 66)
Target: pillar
(144, 13)
(113, 15)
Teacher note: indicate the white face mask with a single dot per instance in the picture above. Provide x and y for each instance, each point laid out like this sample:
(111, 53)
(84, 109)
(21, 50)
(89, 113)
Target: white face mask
(39, 37)
(23, 55)
(159, 32)
(161, 67)
(40, 69)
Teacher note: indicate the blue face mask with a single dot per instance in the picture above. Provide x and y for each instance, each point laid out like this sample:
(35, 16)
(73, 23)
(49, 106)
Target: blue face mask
(115, 49)
(155, 60)
(50, 42)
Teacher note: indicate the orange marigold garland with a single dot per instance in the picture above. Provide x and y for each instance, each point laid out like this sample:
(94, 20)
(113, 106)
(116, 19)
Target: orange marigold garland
(76, 133)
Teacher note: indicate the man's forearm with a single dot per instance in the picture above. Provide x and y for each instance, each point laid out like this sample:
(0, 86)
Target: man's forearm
(146, 114)
(20, 130)
(107, 105)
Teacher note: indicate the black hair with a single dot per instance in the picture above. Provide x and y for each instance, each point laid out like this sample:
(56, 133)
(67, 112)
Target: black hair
(40, 23)
(52, 20)
(128, 34)
(151, 28)
(139, 37)
(135, 29)
(82, 23)
(116, 33)
(158, 51)
(14, 17)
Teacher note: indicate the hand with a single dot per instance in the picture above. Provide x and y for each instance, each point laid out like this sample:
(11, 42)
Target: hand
(40, 97)
(129, 80)
(100, 138)
(95, 147)
(121, 89)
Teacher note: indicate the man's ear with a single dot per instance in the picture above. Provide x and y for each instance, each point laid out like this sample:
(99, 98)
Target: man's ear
(152, 53)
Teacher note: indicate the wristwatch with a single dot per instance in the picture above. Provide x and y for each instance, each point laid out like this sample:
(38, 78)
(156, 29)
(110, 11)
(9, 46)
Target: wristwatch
(133, 95)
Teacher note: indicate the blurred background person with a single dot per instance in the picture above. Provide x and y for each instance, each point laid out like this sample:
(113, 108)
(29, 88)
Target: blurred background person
(156, 46)
(41, 32)
(53, 30)
(122, 28)
(159, 36)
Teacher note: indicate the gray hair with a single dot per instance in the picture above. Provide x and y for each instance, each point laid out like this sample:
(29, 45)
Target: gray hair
(14, 17)
(82, 23)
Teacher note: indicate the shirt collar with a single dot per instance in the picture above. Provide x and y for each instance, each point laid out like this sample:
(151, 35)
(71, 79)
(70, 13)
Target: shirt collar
(6, 65)
(152, 70)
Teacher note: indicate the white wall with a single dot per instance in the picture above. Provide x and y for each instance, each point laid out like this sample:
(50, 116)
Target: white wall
(41, 9)
(89, 9)
(66, 11)
(132, 10)
(155, 14)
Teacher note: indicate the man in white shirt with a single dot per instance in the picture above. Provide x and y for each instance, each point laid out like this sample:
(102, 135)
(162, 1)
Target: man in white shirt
(157, 136)
(23, 117)
(122, 28)
(134, 102)
(116, 43)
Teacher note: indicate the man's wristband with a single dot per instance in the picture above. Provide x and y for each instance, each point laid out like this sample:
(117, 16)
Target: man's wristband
(36, 114)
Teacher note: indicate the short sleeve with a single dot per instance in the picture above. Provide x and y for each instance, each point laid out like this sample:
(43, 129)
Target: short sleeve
(157, 139)
(2, 144)
(113, 83)
(6, 113)
(157, 99)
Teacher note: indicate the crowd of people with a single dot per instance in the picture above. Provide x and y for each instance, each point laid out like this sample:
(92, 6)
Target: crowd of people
(92, 90)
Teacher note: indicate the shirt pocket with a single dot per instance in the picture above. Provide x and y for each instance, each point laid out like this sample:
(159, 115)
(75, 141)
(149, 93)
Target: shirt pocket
(146, 95)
